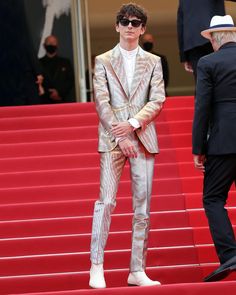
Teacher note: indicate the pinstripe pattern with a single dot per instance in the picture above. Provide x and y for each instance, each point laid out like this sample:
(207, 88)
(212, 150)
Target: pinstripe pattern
(114, 103)
(141, 170)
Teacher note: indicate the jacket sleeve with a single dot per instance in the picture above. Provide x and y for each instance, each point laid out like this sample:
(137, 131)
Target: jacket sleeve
(102, 96)
(156, 97)
(202, 109)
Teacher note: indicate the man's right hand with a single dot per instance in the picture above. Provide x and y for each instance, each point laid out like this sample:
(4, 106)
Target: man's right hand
(127, 148)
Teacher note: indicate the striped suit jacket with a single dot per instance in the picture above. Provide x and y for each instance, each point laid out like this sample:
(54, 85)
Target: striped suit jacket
(114, 102)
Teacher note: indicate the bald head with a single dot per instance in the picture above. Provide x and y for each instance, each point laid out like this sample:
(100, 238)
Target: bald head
(51, 45)
(148, 41)
(148, 38)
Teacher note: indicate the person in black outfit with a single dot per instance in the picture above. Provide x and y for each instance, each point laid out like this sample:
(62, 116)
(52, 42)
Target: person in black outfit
(214, 136)
(148, 44)
(19, 68)
(192, 18)
(58, 74)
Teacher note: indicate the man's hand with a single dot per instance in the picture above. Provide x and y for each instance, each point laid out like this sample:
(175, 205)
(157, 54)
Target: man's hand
(188, 67)
(127, 148)
(39, 81)
(54, 94)
(199, 161)
(122, 129)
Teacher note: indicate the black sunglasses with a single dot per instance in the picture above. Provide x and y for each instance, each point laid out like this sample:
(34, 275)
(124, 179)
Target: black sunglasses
(135, 22)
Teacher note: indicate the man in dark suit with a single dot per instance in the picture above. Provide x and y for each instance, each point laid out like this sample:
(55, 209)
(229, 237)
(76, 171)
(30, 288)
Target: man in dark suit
(192, 18)
(58, 74)
(214, 136)
(148, 44)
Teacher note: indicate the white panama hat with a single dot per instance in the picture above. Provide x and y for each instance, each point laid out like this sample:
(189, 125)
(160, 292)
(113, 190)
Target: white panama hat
(218, 24)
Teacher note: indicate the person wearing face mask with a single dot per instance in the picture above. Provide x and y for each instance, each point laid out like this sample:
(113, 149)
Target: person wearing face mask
(58, 74)
(148, 44)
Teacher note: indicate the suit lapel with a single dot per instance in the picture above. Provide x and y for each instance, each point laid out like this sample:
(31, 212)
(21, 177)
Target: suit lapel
(140, 66)
(118, 67)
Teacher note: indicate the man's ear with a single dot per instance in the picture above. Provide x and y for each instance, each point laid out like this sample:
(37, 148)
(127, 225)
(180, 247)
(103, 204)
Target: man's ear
(117, 28)
(143, 30)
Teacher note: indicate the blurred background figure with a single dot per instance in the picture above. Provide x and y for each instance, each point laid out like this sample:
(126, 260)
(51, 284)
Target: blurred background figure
(148, 45)
(58, 74)
(192, 18)
(20, 74)
(54, 9)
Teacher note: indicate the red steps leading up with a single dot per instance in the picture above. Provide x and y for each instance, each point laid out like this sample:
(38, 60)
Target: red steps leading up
(49, 175)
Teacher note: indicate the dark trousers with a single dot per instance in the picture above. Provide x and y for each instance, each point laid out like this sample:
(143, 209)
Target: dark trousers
(219, 176)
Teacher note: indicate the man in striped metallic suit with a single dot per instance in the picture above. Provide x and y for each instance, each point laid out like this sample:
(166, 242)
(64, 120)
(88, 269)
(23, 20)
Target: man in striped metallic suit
(129, 95)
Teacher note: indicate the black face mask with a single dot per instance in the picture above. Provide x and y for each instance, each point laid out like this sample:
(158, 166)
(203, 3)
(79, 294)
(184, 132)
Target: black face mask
(147, 46)
(50, 48)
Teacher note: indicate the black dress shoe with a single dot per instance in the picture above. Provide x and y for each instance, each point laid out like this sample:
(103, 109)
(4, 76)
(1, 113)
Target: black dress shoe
(223, 271)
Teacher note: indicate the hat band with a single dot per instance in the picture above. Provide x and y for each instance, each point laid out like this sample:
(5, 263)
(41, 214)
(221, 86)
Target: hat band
(222, 26)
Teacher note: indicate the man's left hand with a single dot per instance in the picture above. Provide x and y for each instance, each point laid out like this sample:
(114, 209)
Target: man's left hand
(122, 129)
(199, 161)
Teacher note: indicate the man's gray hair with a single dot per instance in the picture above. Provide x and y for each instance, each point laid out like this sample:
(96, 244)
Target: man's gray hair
(224, 37)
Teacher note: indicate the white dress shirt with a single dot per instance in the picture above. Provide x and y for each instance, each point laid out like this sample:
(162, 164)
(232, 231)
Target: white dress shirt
(129, 59)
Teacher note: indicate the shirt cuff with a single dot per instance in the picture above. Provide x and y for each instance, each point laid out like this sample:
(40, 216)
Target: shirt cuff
(117, 139)
(134, 123)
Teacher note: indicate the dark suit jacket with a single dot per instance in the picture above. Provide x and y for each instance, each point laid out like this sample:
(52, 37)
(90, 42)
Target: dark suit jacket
(58, 74)
(215, 104)
(194, 16)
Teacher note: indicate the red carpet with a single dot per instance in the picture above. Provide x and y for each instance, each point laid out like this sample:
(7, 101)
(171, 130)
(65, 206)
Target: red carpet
(49, 179)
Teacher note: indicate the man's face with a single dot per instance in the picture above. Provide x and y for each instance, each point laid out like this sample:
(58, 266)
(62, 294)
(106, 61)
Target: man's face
(130, 28)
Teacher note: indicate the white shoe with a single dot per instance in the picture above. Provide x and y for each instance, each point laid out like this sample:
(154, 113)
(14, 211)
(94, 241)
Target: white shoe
(97, 280)
(139, 278)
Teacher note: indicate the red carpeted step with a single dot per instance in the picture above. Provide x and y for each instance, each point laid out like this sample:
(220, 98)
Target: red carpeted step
(71, 190)
(201, 235)
(79, 132)
(47, 156)
(63, 176)
(226, 287)
(47, 110)
(68, 108)
(78, 146)
(194, 201)
(197, 217)
(75, 160)
(69, 208)
(74, 262)
(176, 114)
(75, 225)
(114, 278)
(81, 242)
(79, 119)
(57, 121)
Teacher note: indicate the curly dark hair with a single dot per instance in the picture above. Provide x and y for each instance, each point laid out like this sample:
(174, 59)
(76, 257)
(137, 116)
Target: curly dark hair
(132, 9)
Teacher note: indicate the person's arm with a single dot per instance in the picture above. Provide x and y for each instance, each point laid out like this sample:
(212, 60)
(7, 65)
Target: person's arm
(202, 108)
(155, 100)
(104, 110)
(102, 97)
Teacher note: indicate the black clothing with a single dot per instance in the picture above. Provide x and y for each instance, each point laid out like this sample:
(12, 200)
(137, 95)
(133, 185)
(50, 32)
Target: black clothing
(214, 135)
(165, 68)
(219, 176)
(216, 99)
(192, 18)
(58, 74)
(19, 66)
